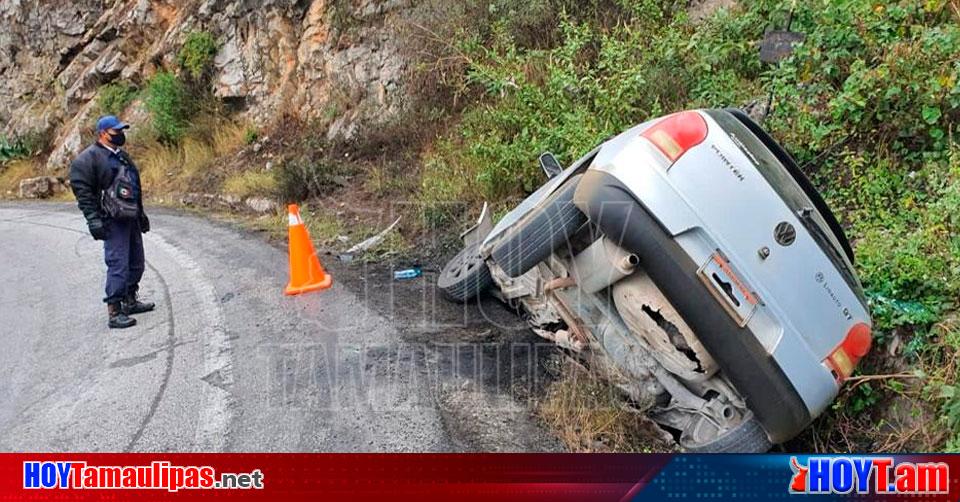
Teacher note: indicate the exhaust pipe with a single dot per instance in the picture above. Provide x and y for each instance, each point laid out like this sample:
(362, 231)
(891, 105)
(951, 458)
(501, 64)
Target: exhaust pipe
(602, 264)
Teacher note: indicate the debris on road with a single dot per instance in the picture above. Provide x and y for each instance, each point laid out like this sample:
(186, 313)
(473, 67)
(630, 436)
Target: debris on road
(409, 273)
(371, 242)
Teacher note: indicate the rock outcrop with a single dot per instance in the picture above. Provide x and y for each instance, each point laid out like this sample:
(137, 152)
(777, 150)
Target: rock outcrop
(275, 58)
(41, 187)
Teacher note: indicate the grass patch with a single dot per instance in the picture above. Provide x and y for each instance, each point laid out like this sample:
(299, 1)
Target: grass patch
(250, 135)
(448, 181)
(114, 98)
(323, 226)
(251, 183)
(225, 136)
(326, 228)
(22, 146)
(12, 172)
(187, 166)
(166, 168)
(588, 415)
(393, 245)
(385, 178)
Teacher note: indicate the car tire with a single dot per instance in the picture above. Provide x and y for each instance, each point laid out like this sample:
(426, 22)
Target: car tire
(541, 232)
(465, 276)
(748, 437)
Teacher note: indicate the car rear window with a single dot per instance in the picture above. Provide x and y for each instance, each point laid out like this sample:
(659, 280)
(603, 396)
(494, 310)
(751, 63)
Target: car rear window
(794, 188)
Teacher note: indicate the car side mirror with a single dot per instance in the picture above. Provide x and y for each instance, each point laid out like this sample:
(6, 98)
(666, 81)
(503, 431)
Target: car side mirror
(550, 165)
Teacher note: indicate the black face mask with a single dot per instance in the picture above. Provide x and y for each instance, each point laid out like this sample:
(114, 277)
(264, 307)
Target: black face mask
(118, 139)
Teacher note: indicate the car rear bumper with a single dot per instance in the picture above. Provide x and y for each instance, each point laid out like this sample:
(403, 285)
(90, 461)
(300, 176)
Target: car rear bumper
(767, 390)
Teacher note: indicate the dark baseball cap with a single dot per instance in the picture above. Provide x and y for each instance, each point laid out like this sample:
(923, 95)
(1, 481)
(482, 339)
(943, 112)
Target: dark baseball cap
(110, 122)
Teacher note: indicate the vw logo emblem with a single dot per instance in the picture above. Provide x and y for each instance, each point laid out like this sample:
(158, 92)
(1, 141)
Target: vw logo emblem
(818, 277)
(784, 233)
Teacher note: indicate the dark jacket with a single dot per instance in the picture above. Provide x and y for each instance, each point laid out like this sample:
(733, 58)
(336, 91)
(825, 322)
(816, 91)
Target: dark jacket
(92, 172)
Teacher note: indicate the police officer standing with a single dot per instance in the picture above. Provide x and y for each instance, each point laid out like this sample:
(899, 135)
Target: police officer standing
(106, 184)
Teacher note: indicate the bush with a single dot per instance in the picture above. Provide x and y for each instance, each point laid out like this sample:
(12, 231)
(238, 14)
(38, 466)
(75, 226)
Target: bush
(250, 135)
(169, 104)
(882, 79)
(114, 98)
(595, 83)
(23, 146)
(16, 149)
(196, 54)
(303, 177)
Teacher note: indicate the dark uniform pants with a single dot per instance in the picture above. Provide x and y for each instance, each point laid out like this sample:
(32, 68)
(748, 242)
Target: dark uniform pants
(123, 253)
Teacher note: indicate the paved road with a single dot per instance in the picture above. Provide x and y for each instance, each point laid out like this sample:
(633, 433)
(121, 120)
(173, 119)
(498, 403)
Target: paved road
(226, 363)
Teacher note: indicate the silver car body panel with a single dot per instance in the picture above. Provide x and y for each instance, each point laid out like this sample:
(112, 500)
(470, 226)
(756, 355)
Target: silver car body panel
(715, 198)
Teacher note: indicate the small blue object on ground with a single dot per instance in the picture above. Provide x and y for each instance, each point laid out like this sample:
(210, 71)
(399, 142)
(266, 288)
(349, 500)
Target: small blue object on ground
(410, 273)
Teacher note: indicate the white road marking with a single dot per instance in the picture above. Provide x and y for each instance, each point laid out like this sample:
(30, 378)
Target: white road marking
(216, 410)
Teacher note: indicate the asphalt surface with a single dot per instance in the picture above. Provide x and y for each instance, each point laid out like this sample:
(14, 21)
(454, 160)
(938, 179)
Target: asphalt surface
(225, 363)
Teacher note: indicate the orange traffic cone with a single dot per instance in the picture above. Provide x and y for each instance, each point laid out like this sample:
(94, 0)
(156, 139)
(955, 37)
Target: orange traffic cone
(306, 273)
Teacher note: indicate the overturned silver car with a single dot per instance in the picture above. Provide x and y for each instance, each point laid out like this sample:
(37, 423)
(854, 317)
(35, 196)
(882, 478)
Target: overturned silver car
(691, 259)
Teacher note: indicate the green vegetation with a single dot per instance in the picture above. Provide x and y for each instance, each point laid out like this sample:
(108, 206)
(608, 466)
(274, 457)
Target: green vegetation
(595, 82)
(22, 146)
(196, 54)
(867, 104)
(17, 149)
(168, 102)
(115, 97)
(250, 135)
(173, 100)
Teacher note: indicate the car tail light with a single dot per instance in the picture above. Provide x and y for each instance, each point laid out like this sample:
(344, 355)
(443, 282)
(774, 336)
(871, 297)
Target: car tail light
(845, 357)
(675, 134)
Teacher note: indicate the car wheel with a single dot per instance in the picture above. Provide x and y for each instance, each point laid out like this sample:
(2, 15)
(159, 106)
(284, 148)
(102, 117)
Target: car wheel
(540, 232)
(465, 275)
(747, 437)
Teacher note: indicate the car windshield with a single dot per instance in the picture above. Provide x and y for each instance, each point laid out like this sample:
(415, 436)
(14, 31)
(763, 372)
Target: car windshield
(784, 183)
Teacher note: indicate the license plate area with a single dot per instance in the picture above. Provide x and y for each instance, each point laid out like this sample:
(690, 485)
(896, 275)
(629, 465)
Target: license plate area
(726, 285)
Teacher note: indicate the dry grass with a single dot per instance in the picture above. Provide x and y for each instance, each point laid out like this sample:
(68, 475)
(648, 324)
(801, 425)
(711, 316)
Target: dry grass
(249, 183)
(588, 415)
(167, 168)
(228, 137)
(13, 172)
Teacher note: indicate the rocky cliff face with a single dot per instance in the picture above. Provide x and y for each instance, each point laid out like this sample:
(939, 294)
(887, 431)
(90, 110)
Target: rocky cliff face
(276, 57)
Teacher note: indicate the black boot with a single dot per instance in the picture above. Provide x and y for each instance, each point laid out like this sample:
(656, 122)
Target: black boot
(118, 319)
(130, 305)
